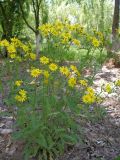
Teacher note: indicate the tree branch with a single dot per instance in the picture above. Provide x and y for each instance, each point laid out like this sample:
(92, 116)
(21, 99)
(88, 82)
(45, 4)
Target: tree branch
(35, 10)
(39, 3)
(23, 15)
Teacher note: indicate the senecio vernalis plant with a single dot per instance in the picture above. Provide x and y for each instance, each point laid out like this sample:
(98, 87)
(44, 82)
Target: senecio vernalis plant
(47, 99)
(63, 35)
(66, 34)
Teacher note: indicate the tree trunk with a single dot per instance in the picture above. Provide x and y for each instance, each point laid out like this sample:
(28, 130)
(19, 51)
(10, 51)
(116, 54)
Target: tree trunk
(115, 25)
(37, 35)
(101, 25)
(115, 44)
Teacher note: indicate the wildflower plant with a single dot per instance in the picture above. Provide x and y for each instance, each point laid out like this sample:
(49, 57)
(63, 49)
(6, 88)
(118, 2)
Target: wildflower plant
(62, 36)
(48, 104)
(48, 96)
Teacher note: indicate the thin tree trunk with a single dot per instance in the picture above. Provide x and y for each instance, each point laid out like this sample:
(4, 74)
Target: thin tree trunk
(115, 25)
(111, 49)
(37, 43)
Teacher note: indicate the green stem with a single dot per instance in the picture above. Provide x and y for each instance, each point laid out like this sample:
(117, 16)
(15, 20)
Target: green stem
(35, 96)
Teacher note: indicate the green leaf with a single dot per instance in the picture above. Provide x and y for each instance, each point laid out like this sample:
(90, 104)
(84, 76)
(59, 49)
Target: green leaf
(42, 141)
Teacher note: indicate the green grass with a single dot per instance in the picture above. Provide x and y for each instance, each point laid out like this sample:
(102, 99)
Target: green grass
(118, 158)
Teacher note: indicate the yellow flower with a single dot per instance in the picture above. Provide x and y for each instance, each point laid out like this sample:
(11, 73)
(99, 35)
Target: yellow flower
(18, 83)
(64, 71)
(35, 72)
(65, 40)
(22, 92)
(12, 55)
(95, 42)
(71, 28)
(11, 49)
(72, 82)
(90, 91)
(55, 33)
(4, 43)
(74, 68)
(76, 42)
(83, 83)
(33, 56)
(88, 99)
(108, 88)
(44, 60)
(45, 29)
(53, 67)
(20, 98)
(25, 48)
(66, 35)
(16, 42)
(46, 74)
(117, 83)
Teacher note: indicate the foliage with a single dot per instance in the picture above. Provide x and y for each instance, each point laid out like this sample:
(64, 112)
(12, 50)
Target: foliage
(48, 99)
(10, 19)
(89, 13)
(118, 158)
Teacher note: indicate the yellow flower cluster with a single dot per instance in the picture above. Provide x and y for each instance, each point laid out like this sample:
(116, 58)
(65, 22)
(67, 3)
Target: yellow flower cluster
(32, 56)
(71, 73)
(95, 42)
(12, 49)
(21, 96)
(83, 82)
(4, 43)
(63, 70)
(72, 82)
(90, 97)
(72, 79)
(76, 42)
(64, 33)
(18, 83)
(75, 70)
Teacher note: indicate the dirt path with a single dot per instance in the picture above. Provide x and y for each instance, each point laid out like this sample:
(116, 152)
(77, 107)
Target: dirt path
(101, 141)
